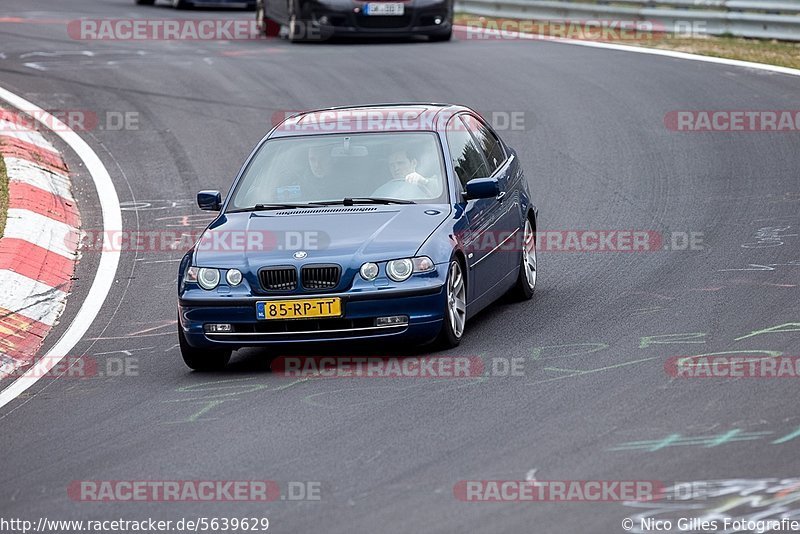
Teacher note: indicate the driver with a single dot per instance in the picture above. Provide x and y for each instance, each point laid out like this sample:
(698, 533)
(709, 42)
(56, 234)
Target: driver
(403, 166)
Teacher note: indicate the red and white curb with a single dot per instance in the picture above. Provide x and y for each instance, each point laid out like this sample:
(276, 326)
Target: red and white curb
(106, 271)
(39, 247)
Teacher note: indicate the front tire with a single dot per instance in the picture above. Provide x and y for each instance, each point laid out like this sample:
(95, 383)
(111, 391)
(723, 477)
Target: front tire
(145, 2)
(266, 25)
(180, 4)
(455, 308)
(202, 359)
(526, 282)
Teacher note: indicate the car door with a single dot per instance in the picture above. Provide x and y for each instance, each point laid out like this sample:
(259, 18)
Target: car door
(484, 215)
(502, 167)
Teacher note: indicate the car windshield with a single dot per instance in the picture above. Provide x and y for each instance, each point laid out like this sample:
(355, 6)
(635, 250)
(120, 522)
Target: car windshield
(359, 168)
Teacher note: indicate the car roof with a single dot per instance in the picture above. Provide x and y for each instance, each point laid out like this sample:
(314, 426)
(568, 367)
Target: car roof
(394, 117)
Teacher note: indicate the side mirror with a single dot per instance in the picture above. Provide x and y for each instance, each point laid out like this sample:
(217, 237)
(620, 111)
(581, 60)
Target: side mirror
(482, 188)
(209, 200)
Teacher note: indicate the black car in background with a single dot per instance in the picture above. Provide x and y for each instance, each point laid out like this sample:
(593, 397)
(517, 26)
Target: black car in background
(185, 4)
(315, 20)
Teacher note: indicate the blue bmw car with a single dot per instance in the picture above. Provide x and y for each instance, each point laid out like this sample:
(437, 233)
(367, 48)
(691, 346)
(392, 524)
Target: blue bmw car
(390, 222)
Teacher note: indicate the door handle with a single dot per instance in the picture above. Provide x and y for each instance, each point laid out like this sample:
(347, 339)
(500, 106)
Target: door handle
(501, 196)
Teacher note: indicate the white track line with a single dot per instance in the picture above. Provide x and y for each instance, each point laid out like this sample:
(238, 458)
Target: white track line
(499, 33)
(109, 258)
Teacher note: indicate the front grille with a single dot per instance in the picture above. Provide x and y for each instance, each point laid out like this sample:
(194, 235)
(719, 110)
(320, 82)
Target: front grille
(278, 278)
(381, 21)
(321, 276)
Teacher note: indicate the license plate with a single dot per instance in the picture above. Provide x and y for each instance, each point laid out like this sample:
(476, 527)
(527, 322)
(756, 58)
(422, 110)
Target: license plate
(299, 308)
(384, 8)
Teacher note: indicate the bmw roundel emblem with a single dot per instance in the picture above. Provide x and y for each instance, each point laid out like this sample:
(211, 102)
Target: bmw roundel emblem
(300, 254)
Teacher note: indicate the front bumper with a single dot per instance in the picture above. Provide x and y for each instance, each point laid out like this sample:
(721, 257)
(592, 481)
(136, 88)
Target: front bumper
(423, 302)
(346, 19)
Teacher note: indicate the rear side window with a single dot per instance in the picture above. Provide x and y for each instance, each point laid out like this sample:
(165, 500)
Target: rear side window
(489, 143)
(467, 157)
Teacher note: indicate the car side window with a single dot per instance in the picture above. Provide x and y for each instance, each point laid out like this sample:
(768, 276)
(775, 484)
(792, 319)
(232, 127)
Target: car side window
(467, 158)
(490, 145)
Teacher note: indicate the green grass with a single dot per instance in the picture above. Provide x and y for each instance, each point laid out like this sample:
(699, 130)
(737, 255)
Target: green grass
(782, 53)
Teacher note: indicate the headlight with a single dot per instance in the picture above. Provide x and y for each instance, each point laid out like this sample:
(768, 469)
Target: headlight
(233, 277)
(399, 270)
(369, 271)
(208, 278)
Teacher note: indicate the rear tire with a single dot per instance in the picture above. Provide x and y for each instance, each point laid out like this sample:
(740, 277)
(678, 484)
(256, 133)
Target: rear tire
(295, 35)
(145, 2)
(455, 308)
(181, 4)
(526, 282)
(202, 359)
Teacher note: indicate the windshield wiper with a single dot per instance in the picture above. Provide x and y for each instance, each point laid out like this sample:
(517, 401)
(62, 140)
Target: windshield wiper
(276, 206)
(368, 200)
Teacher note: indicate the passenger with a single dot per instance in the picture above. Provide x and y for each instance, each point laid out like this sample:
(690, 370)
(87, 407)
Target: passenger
(314, 182)
(320, 161)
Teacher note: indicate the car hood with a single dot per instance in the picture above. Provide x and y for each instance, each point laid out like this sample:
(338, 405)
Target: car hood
(346, 235)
